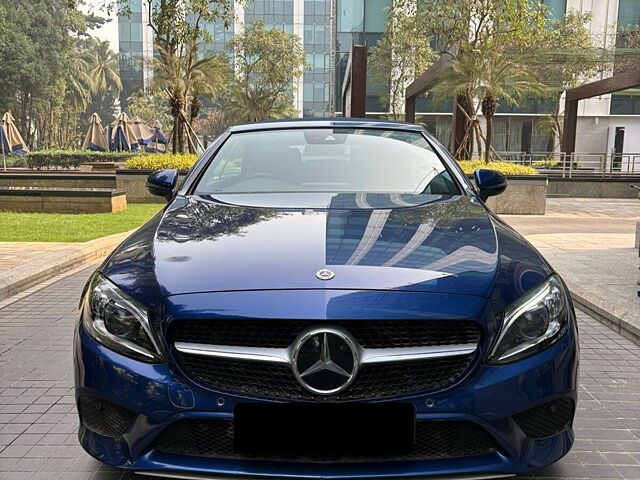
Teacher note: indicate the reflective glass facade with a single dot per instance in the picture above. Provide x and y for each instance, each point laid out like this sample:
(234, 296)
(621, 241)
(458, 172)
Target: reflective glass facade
(317, 45)
(627, 103)
(359, 22)
(274, 13)
(131, 51)
(557, 7)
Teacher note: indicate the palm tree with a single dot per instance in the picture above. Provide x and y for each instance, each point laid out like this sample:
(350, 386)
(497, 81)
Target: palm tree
(490, 77)
(186, 79)
(103, 67)
(78, 92)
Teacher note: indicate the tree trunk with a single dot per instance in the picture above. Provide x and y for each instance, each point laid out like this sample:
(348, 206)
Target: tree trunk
(174, 143)
(487, 146)
(489, 108)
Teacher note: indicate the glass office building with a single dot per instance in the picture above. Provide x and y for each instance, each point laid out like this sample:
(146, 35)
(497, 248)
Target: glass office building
(627, 103)
(312, 20)
(328, 28)
(130, 39)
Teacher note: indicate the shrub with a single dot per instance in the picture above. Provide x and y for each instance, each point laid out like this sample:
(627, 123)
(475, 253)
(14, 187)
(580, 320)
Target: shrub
(159, 161)
(70, 159)
(469, 166)
(14, 160)
(545, 164)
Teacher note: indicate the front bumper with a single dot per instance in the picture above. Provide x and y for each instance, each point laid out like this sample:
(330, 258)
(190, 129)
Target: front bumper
(488, 398)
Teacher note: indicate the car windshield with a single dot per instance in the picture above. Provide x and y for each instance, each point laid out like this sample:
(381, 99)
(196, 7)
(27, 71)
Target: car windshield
(327, 160)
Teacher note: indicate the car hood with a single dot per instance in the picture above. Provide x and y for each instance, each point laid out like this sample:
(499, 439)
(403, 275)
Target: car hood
(420, 243)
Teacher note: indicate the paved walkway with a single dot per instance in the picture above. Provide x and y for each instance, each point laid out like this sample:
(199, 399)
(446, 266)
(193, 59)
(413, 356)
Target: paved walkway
(38, 423)
(15, 254)
(25, 264)
(591, 243)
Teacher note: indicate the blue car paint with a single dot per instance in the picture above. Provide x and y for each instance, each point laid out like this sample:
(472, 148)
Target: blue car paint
(234, 257)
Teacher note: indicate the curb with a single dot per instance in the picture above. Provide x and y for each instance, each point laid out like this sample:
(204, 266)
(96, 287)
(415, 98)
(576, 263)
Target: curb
(32, 273)
(617, 319)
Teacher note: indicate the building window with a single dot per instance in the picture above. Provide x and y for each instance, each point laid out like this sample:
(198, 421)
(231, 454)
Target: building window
(626, 104)
(375, 15)
(628, 13)
(351, 16)
(557, 7)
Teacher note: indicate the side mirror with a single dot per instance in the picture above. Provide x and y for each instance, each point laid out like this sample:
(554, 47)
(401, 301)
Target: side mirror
(162, 182)
(489, 183)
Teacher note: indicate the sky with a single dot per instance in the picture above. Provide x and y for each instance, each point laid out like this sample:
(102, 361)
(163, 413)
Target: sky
(110, 30)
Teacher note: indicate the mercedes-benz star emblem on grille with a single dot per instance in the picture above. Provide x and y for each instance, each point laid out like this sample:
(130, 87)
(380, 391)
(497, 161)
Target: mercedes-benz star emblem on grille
(325, 360)
(325, 274)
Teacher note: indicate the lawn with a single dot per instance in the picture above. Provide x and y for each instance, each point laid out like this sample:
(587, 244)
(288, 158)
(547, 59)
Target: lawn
(63, 227)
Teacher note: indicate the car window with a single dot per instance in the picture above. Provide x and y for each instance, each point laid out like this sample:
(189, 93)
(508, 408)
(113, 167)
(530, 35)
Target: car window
(327, 160)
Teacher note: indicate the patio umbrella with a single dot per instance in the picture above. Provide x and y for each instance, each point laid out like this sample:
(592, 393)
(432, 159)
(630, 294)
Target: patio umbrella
(96, 138)
(122, 135)
(143, 133)
(158, 143)
(10, 139)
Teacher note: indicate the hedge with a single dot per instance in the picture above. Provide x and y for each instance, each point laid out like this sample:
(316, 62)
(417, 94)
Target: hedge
(159, 161)
(70, 159)
(469, 166)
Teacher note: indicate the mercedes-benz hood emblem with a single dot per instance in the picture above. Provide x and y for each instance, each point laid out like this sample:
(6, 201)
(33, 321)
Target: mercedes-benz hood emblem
(325, 274)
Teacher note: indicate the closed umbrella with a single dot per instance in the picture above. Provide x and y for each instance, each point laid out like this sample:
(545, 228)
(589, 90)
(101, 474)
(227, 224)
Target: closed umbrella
(10, 139)
(158, 143)
(122, 135)
(96, 137)
(143, 133)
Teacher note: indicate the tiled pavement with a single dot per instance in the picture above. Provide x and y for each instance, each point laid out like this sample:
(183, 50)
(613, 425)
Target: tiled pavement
(15, 254)
(590, 242)
(38, 424)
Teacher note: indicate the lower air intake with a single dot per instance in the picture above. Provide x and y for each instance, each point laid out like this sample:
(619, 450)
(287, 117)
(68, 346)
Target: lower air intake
(105, 418)
(434, 439)
(548, 419)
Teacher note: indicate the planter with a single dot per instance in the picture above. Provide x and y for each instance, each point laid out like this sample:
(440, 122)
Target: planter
(581, 187)
(134, 182)
(57, 179)
(525, 195)
(62, 200)
(101, 167)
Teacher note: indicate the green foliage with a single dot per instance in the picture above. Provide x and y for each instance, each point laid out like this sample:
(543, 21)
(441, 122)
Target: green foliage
(14, 161)
(212, 123)
(179, 28)
(267, 62)
(68, 227)
(102, 67)
(499, 24)
(70, 159)
(545, 163)
(400, 56)
(149, 107)
(160, 161)
(490, 76)
(179, 22)
(470, 166)
(36, 40)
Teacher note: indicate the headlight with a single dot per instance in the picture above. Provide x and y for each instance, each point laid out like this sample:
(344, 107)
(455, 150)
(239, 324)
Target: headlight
(534, 322)
(118, 321)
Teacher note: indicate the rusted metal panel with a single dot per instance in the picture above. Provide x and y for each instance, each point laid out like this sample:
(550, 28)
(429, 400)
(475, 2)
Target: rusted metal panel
(354, 85)
(617, 83)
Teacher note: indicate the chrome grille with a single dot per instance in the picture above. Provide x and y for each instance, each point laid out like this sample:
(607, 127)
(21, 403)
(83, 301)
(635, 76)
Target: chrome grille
(280, 333)
(255, 357)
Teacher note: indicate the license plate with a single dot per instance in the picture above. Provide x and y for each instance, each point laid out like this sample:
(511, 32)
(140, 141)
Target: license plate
(337, 429)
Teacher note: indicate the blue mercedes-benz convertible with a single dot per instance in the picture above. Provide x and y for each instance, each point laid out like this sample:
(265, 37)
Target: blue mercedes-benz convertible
(326, 299)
